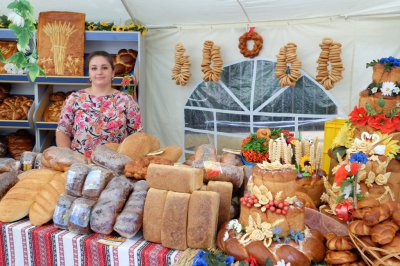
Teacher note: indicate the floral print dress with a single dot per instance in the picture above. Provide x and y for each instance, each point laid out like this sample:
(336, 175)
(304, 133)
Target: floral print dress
(92, 120)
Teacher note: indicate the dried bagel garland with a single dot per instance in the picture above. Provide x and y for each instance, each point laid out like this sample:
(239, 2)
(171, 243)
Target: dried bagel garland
(211, 54)
(258, 43)
(181, 72)
(287, 65)
(330, 54)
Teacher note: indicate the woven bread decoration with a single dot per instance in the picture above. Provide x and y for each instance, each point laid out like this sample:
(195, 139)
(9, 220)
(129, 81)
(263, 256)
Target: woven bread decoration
(60, 43)
(258, 43)
(124, 62)
(211, 54)
(331, 53)
(287, 65)
(181, 72)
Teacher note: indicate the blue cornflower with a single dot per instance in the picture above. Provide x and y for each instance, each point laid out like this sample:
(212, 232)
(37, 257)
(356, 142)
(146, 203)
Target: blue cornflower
(287, 239)
(229, 260)
(199, 262)
(359, 157)
(277, 230)
(292, 233)
(300, 236)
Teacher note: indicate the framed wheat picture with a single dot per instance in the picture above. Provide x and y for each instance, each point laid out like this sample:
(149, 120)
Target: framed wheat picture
(60, 43)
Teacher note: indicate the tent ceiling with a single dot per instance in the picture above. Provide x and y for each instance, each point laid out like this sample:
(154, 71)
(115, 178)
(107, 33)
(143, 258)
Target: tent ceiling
(192, 12)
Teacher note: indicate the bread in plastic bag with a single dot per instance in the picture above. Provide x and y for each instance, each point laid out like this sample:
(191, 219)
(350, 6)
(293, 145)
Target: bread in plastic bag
(76, 176)
(96, 180)
(60, 158)
(80, 216)
(62, 211)
(110, 159)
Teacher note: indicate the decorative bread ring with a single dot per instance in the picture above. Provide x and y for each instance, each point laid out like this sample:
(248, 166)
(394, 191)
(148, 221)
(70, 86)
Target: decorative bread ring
(287, 66)
(181, 72)
(211, 54)
(330, 55)
(258, 43)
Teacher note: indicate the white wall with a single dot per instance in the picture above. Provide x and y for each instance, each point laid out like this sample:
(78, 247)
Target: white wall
(363, 40)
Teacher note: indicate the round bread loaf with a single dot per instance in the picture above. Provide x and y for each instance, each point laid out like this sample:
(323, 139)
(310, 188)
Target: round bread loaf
(57, 96)
(53, 111)
(15, 108)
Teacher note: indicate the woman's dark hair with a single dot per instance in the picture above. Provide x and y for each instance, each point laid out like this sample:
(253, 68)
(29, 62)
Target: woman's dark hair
(100, 53)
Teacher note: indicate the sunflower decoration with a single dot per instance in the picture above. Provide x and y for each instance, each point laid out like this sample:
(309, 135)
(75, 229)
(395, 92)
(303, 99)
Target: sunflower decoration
(305, 166)
(120, 28)
(114, 28)
(91, 27)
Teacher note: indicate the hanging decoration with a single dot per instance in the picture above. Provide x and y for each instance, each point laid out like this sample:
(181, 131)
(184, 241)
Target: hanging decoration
(257, 46)
(287, 65)
(181, 71)
(330, 54)
(211, 54)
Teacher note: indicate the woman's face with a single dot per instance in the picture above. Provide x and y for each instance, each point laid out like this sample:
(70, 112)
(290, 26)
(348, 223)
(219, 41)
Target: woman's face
(100, 71)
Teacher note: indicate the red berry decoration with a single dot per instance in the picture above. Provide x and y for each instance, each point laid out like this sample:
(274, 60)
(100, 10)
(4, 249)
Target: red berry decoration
(278, 211)
(272, 208)
(280, 205)
(284, 212)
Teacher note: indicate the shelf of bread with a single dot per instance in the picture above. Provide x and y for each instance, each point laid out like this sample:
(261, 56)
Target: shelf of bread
(11, 111)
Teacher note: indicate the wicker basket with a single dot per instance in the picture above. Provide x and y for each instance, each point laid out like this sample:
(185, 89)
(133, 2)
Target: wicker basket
(373, 255)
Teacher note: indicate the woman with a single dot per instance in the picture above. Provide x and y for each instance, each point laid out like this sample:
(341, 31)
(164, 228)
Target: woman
(98, 114)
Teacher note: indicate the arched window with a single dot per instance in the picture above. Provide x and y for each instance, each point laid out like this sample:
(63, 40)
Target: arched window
(249, 97)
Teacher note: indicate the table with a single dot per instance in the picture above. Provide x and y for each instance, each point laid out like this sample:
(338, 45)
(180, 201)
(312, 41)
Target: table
(22, 243)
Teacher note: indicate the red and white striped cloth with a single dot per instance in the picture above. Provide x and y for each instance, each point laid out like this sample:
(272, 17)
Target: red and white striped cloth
(21, 243)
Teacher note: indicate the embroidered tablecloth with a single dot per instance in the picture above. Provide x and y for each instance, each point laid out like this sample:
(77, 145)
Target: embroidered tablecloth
(21, 243)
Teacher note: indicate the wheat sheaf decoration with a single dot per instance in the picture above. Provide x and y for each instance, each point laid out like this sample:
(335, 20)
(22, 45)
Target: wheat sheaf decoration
(59, 34)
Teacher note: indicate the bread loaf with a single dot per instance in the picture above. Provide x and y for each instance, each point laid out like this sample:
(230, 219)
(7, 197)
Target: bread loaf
(231, 159)
(53, 111)
(202, 219)
(377, 214)
(178, 179)
(224, 189)
(76, 176)
(339, 243)
(111, 145)
(62, 211)
(216, 171)
(172, 153)
(96, 180)
(60, 158)
(359, 227)
(384, 233)
(57, 96)
(109, 205)
(18, 200)
(138, 168)
(8, 165)
(152, 215)
(19, 142)
(7, 181)
(130, 220)
(138, 145)
(110, 159)
(80, 214)
(43, 207)
(206, 152)
(340, 257)
(124, 62)
(15, 108)
(38, 174)
(174, 220)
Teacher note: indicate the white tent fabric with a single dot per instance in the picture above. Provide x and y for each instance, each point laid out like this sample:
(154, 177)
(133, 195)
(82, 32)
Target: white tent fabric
(363, 40)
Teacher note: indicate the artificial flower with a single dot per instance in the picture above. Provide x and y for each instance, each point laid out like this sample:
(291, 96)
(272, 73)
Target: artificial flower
(120, 28)
(92, 27)
(358, 116)
(374, 90)
(305, 163)
(396, 90)
(114, 28)
(251, 261)
(345, 137)
(344, 210)
(16, 19)
(359, 157)
(377, 121)
(348, 190)
(282, 263)
(104, 24)
(387, 88)
(344, 171)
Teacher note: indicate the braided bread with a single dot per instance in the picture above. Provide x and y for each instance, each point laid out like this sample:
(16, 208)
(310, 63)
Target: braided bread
(340, 257)
(124, 62)
(396, 217)
(392, 247)
(384, 233)
(339, 243)
(359, 213)
(367, 203)
(377, 214)
(359, 227)
(258, 44)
